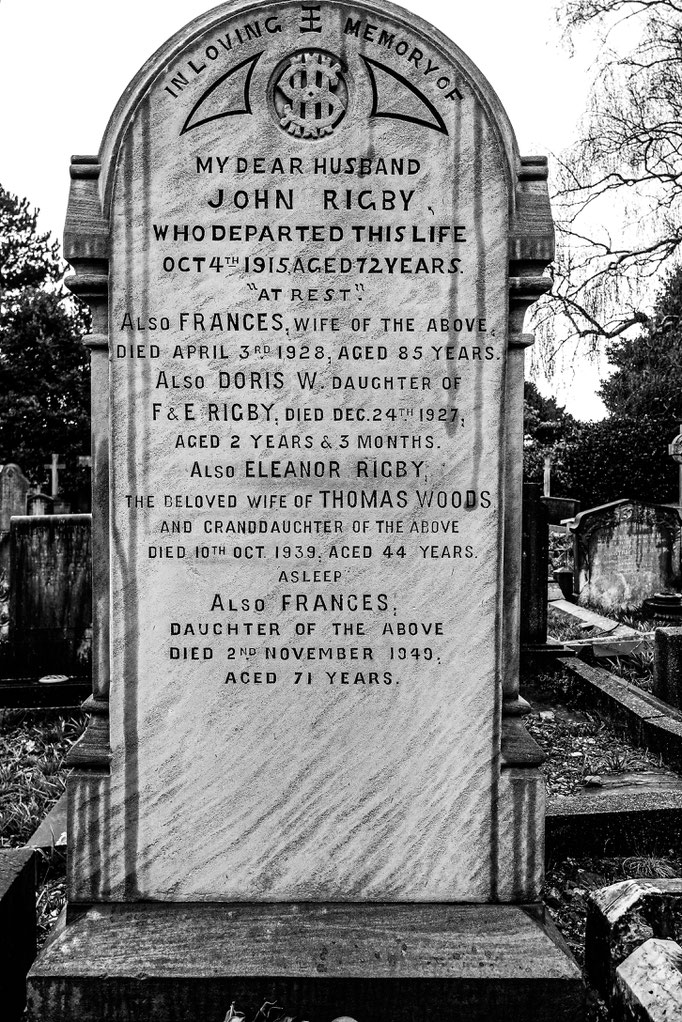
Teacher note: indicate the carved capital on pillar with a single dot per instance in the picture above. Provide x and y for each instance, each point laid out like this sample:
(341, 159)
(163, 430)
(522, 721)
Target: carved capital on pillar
(86, 239)
(531, 240)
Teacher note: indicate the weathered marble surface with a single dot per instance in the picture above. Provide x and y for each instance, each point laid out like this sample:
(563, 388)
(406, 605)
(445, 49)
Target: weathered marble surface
(620, 918)
(388, 790)
(649, 983)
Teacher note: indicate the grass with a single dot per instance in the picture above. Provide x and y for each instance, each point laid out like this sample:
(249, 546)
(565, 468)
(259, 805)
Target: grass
(33, 745)
(636, 667)
(565, 627)
(51, 893)
(580, 748)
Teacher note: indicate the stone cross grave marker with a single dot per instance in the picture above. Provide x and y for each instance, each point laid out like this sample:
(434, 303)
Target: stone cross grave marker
(308, 242)
(54, 466)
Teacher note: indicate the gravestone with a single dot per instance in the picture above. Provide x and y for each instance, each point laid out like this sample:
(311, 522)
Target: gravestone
(40, 504)
(535, 566)
(308, 243)
(14, 487)
(559, 509)
(50, 603)
(624, 552)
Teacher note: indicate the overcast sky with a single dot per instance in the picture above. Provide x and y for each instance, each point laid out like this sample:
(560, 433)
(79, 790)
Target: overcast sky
(64, 66)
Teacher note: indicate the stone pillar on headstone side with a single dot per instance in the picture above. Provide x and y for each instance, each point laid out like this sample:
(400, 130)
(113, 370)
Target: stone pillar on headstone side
(531, 247)
(86, 247)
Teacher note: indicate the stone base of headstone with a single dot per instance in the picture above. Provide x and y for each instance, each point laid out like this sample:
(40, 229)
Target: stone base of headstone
(387, 963)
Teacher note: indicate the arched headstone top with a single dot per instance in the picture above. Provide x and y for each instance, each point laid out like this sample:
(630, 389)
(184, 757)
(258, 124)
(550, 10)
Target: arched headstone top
(396, 75)
(386, 35)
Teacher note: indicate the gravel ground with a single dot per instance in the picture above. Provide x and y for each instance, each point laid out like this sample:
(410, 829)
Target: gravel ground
(580, 746)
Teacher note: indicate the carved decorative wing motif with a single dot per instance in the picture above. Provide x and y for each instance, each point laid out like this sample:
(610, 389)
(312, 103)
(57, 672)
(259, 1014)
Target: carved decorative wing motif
(226, 97)
(393, 96)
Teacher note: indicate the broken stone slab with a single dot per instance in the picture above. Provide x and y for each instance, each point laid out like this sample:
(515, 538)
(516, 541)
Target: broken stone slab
(621, 917)
(649, 983)
(17, 928)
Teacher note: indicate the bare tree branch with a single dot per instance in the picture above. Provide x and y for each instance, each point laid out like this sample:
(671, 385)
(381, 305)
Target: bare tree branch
(623, 177)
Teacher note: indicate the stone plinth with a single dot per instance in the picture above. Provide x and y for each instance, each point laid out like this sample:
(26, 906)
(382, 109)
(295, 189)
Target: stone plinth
(468, 964)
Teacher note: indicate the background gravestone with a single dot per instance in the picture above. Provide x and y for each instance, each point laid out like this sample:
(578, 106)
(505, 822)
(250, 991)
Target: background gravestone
(559, 509)
(14, 487)
(50, 605)
(316, 245)
(625, 552)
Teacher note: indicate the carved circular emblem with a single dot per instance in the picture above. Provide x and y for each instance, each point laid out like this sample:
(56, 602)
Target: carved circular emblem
(310, 93)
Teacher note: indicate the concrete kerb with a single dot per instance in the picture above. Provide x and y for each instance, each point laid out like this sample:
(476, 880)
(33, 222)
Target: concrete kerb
(649, 722)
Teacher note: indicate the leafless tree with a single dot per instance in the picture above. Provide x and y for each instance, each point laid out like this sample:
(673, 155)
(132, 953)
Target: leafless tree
(618, 190)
